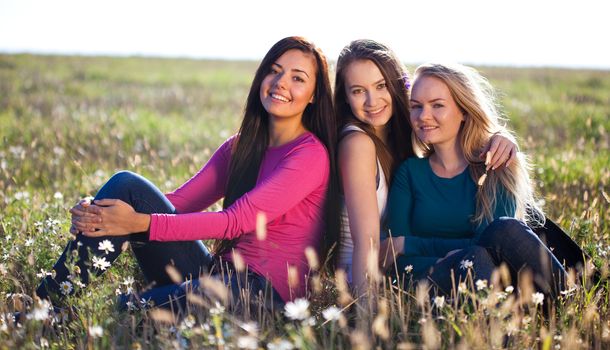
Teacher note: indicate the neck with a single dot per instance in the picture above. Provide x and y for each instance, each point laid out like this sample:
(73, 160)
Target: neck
(448, 160)
(284, 130)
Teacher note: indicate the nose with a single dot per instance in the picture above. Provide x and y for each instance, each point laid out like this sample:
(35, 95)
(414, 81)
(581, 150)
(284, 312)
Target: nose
(371, 96)
(280, 81)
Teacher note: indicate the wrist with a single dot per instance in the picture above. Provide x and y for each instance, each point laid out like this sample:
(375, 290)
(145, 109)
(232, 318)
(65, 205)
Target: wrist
(141, 222)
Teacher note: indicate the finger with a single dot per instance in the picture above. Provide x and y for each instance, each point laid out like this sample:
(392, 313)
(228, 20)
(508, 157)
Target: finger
(106, 201)
(511, 157)
(501, 157)
(73, 230)
(85, 202)
(81, 211)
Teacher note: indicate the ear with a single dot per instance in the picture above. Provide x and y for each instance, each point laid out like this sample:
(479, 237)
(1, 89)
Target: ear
(313, 98)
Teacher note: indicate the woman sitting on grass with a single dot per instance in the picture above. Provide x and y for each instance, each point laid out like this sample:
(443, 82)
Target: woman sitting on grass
(446, 211)
(279, 166)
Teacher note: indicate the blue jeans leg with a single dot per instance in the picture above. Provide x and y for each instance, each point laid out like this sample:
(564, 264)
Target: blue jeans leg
(190, 257)
(511, 241)
(448, 272)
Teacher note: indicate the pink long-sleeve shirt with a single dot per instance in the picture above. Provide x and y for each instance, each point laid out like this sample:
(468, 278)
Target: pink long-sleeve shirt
(290, 191)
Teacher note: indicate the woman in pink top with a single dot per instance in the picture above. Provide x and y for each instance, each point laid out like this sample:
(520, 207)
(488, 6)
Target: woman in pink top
(279, 166)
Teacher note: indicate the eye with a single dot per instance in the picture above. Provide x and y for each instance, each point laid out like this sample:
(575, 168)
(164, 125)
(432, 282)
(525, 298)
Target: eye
(273, 70)
(357, 91)
(438, 105)
(298, 79)
(382, 86)
(415, 106)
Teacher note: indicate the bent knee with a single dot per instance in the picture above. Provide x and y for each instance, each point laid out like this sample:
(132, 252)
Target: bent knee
(504, 230)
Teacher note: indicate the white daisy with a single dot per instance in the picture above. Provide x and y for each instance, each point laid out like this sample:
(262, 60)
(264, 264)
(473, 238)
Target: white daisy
(481, 284)
(100, 263)
(439, 301)
(106, 246)
(247, 342)
(297, 310)
(96, 331)
(538, 298)
(332, 313)
(466, 264)
(65, 287)
(409, 268)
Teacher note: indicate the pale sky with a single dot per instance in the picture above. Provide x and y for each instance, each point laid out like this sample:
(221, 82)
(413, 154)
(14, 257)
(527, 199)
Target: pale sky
(515, 32)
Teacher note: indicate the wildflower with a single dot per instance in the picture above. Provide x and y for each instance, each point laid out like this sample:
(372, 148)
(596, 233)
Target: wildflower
(65, 287)
(250, 327)
(509, 289)
(408, 268)
(526, 320)
(466, 264)
(481, 284)
(106, 246)
(58, 196)
(44, 343)
(29, 242)
(568, 292)
(332, 313)
(280, 344)
(247, 342)
(22, 195)
(146, 302)
(439, 301)
(41, 311)
(100, 263)
(462, 287)
(217, 309)
(501, 295)
(188, 322)
(128, 281)
(538, 298)
(96, 331)
(297, 310)
(131, 306)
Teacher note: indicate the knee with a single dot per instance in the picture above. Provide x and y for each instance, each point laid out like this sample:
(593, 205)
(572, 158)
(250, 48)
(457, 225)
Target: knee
(124, 179)
(503, 230)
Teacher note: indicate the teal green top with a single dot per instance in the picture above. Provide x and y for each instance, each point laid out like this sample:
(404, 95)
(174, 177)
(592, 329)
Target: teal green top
(434, 213)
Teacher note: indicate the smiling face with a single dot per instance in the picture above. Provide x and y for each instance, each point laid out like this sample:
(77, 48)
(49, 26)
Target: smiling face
(289, 85)
(367, 94)
(435, 117)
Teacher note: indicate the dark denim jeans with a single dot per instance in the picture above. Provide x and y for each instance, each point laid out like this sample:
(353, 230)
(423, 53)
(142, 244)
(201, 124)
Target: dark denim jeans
(190, 258)
(509, 241)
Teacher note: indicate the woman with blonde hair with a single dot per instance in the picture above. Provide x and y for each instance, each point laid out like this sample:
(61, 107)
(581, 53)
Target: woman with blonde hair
(448, 212)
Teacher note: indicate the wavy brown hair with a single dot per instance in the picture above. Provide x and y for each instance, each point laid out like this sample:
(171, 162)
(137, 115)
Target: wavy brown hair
(399, 145)
(253, 137)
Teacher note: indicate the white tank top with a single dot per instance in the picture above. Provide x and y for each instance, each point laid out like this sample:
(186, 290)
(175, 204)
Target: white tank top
(346, 245)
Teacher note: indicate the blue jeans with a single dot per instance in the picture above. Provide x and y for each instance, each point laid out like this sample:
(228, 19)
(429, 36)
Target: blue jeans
(508, 241)
(190, 258)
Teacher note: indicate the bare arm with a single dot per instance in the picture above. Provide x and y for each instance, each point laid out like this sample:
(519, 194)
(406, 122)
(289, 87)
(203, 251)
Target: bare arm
(358, 169)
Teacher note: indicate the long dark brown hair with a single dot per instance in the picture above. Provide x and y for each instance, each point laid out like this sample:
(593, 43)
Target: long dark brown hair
(398, 146)
(253, 137)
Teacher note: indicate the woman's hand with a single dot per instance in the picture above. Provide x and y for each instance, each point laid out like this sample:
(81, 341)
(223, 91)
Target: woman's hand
(80, 216)
(112, 217)
(502, 150)
(389, 249)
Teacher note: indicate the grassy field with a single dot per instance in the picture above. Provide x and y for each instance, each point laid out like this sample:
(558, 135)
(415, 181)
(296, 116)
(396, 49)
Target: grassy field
(68, 123)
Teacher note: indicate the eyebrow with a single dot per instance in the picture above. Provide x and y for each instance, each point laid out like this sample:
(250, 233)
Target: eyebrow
(434, 100)
(293, 69)
(382, 80)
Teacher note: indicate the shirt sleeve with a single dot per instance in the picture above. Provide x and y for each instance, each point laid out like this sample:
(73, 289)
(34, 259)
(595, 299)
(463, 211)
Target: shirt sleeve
(302, 170)
(207, 186)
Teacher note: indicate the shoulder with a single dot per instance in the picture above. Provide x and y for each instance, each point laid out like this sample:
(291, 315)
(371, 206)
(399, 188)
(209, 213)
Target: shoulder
(358, 142)
(309, 149)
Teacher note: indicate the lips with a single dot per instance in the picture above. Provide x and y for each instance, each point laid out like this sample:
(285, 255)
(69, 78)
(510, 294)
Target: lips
(375, 112)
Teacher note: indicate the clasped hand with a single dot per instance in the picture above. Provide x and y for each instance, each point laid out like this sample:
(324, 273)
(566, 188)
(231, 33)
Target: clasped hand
(104, 217)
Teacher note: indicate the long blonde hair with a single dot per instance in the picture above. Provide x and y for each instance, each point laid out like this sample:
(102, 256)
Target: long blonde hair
(476, 98)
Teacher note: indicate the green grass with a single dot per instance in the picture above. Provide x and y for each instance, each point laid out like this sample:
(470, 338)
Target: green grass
(68, 123)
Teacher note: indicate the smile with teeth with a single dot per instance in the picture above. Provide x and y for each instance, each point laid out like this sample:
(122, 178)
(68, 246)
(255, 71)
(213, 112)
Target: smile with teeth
(279, 97)
(375, 111)
(428, 127)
